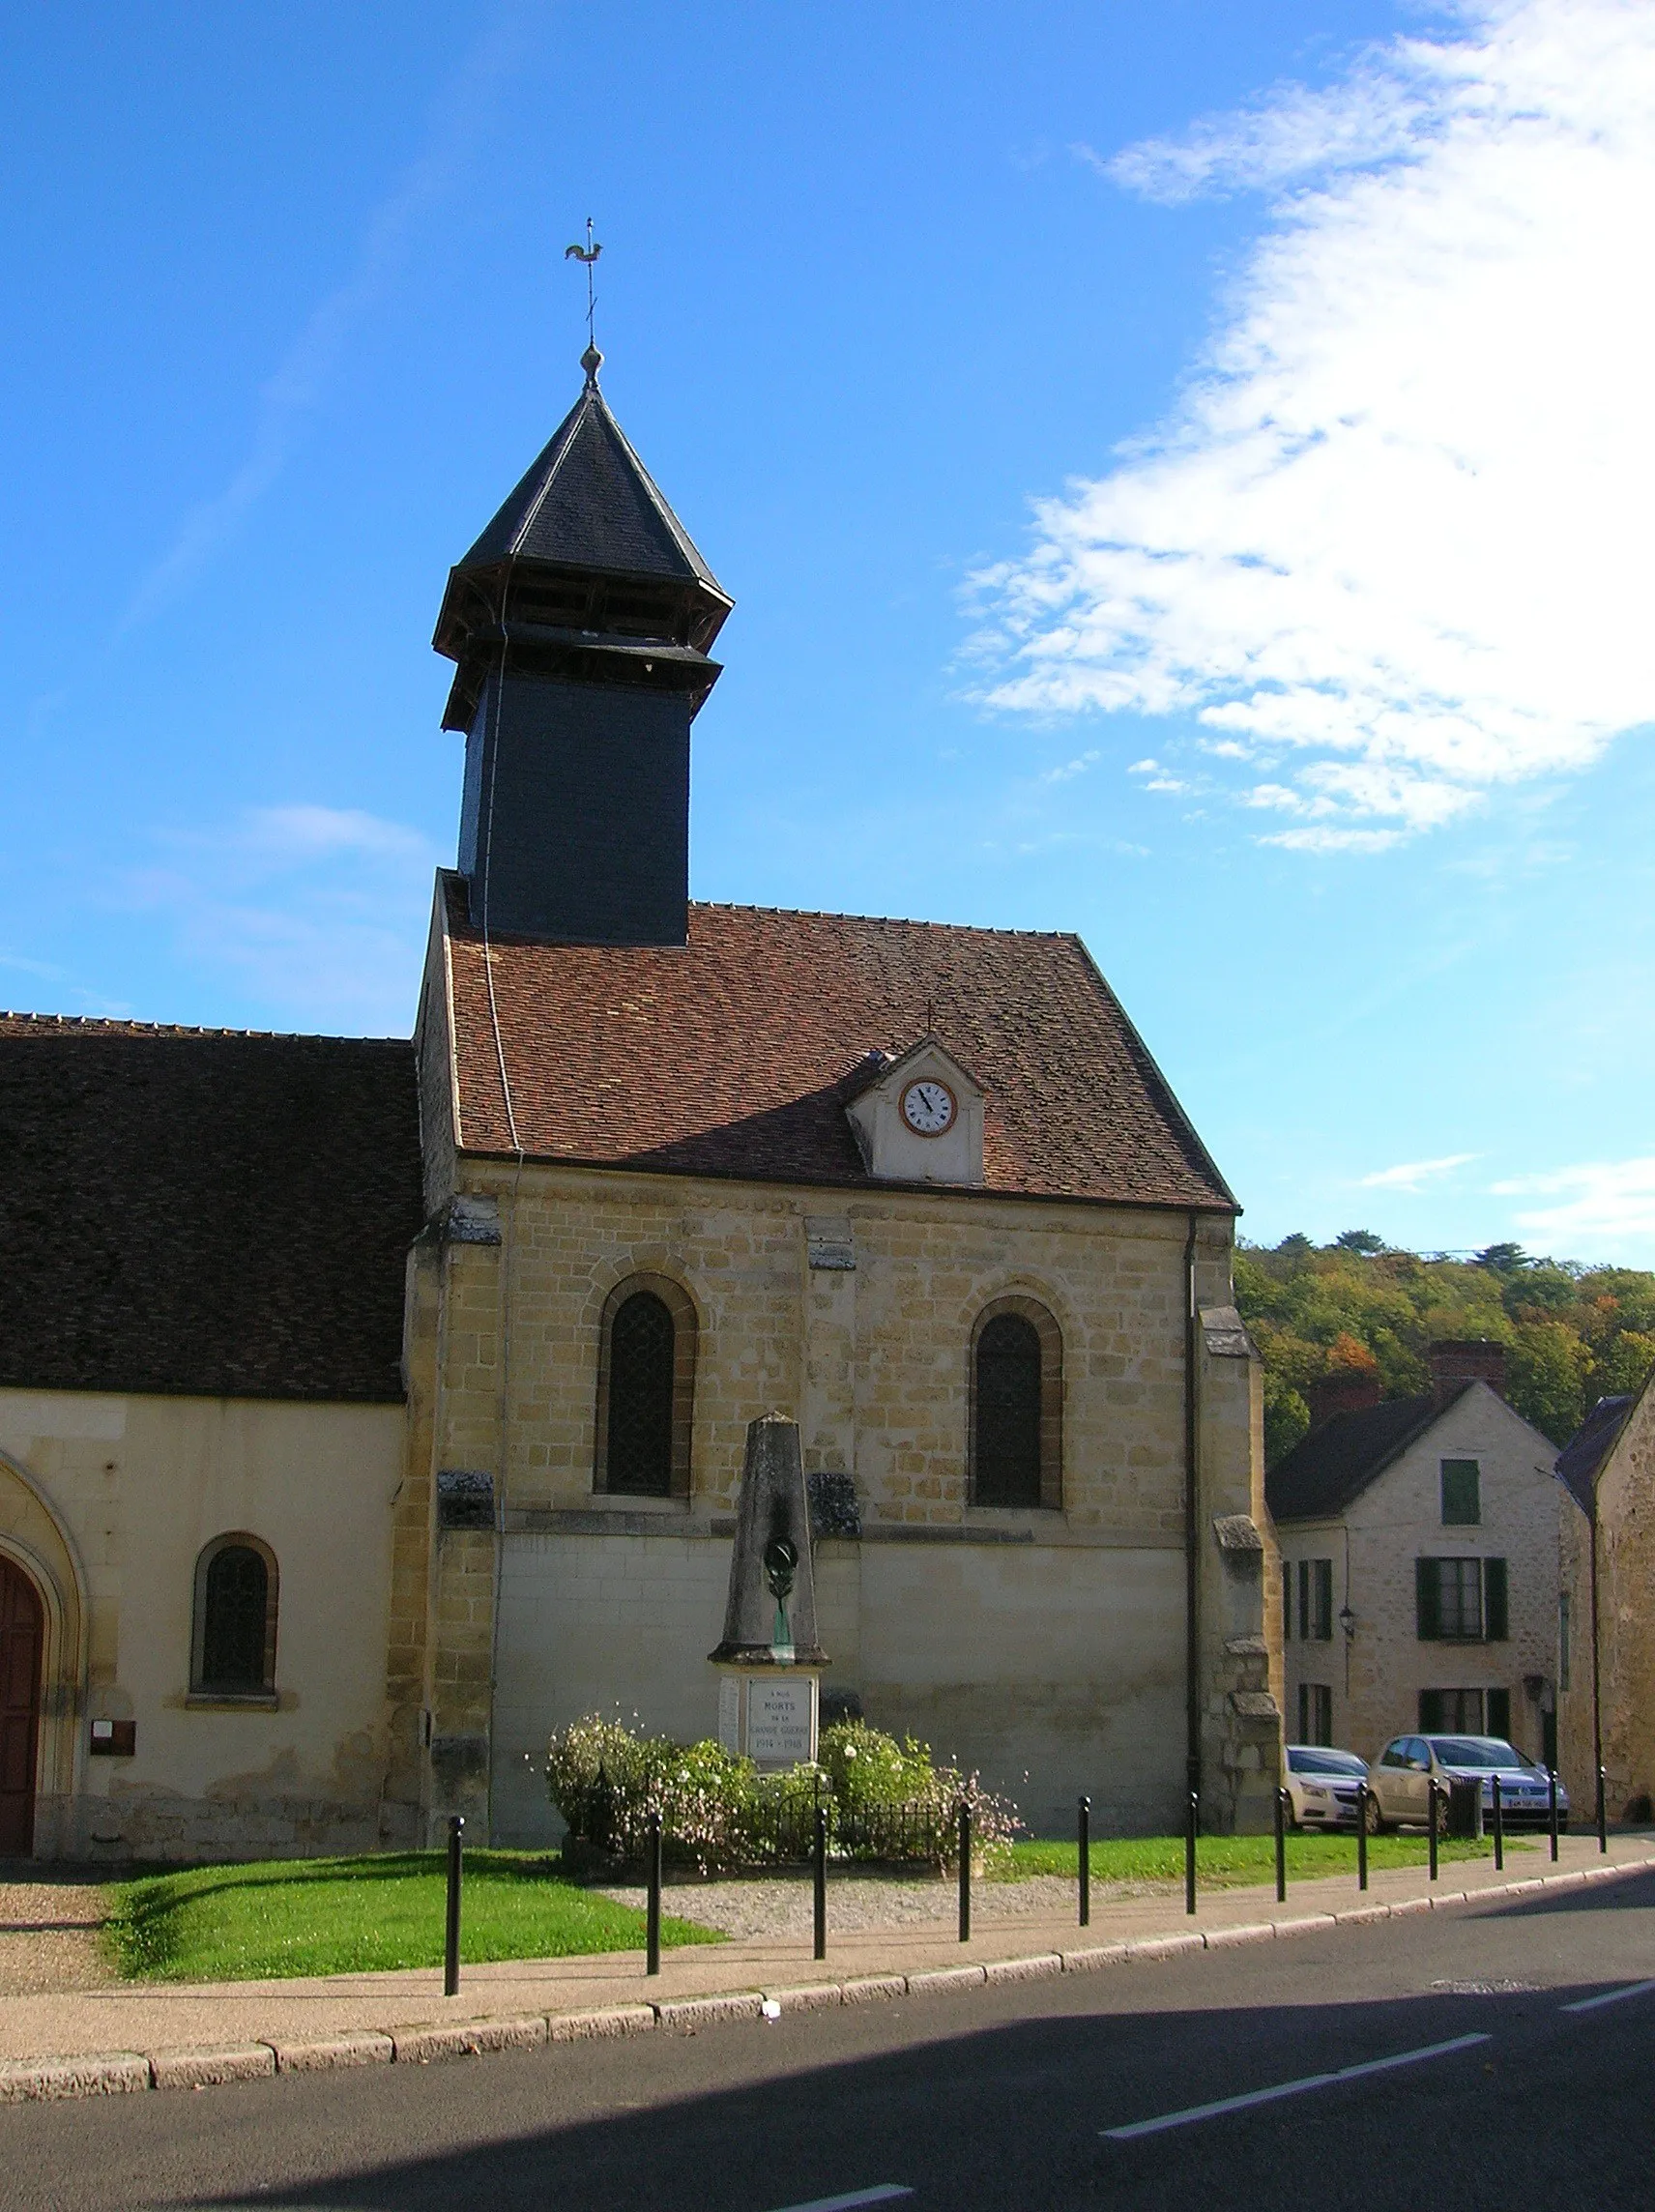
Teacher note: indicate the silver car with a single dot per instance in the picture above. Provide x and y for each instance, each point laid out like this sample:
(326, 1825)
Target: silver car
(1321, 1786)
(1400, 1779)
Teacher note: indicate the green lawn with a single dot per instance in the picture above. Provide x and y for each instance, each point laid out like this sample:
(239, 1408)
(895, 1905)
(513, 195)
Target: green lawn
(1223, 1862)
(343, 1916)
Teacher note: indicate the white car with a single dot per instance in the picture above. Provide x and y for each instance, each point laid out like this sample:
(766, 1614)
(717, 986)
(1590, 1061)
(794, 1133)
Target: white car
(1321, 1785)
(1399, 1782)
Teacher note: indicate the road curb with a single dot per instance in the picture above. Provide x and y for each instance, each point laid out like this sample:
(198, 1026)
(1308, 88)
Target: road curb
(122, 2073)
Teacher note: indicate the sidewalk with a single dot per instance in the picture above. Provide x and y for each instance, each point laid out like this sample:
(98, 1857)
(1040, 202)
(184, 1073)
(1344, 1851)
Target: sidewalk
(143, 2035)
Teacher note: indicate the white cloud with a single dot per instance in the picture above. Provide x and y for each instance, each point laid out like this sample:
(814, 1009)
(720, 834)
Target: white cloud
(1603, 1209)
(1395, 530)
(1412, 1175)
(319, 913)
(1071, 769)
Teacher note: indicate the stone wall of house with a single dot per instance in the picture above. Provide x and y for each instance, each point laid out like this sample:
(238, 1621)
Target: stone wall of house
(1626, 1628)
(1045, 1648)
(106, 1502)
(1375, 1678)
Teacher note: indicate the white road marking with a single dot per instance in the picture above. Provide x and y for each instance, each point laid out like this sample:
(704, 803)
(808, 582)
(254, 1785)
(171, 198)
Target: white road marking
(1610, 1996)
(1289, 2088)
(881, 2193)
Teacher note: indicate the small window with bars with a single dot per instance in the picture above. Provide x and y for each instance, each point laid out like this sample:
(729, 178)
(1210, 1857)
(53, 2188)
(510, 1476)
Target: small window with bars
(233, 1645)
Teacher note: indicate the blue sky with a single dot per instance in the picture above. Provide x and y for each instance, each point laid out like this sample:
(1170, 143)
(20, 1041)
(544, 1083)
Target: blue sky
(1182, 472)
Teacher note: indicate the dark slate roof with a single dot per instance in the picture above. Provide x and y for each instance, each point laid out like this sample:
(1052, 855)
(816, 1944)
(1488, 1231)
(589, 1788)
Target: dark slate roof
(1331, 1467)
(1580, 1460)
(204, 1212)
(587, 501)
(735, 1054)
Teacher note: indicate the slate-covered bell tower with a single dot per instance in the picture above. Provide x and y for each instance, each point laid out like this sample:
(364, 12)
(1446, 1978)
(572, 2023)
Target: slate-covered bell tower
(581, 620)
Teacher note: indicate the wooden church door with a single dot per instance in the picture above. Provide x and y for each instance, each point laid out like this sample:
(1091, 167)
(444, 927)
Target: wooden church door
(21, 1622)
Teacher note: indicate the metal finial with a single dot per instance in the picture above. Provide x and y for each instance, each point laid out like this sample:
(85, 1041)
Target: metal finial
(592, 360)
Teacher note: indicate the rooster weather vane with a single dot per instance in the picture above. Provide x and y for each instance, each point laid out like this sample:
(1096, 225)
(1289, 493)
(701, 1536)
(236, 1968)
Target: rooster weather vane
(591, 361)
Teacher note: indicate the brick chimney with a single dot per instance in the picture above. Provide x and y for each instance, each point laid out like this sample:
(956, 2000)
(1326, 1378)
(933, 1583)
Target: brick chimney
(1345, 1390)
(1458, 1360)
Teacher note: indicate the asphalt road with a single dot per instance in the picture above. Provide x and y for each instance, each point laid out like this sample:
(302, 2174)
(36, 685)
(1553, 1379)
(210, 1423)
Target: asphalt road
(998, 2098)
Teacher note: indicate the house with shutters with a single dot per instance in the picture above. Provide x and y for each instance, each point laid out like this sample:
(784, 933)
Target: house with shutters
(1419, 1562)
(351, 1452)
(1607, 1618)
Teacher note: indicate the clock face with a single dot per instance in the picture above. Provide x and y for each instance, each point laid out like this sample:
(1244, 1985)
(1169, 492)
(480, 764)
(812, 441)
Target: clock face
(928, 1108)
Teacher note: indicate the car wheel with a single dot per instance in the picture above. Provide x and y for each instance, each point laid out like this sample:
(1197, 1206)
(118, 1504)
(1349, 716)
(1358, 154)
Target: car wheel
(1378, 1825)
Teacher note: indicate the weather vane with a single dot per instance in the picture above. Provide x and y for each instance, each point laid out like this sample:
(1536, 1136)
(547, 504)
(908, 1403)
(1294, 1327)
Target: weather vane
(592, 360)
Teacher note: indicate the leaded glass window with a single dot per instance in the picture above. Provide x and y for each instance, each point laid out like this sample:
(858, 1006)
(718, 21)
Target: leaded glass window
(1007, 1455)
(642, 1370)
(235, 1617)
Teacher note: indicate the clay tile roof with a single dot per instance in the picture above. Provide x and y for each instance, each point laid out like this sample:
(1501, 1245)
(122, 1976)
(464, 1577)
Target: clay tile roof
(733, 1055)
(206, 1212)
(1329, 1468)
(1582, 1458)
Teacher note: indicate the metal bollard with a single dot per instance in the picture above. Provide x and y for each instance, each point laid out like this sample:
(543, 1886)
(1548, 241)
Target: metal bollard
(1434, 1795)
(820, 1870)
(1282, 1803)
(653, 1896)
(1603, 1808)
(1552, 1808)
(451, 1931)
(1362, 1795)
(1084, 1827)
(1500, 1825)
(965, 1874)
(1192, 1820)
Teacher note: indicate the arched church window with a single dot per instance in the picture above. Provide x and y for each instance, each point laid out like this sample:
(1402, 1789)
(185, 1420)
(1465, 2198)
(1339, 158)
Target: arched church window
(646, 1386)
(1016, 1413)
(234, 1643)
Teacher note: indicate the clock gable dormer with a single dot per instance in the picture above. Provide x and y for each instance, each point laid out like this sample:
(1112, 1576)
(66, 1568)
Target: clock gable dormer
(919, 1117)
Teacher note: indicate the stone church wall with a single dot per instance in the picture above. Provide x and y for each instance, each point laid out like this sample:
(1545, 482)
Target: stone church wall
(106, 1501)
(1045, 1648)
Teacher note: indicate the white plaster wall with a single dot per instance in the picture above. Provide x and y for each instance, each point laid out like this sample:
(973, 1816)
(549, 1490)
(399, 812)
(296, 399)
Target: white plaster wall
(1053, 1669)
(140, 1484)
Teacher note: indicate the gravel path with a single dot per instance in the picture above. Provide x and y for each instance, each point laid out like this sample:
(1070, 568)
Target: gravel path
(48, 1937)
(780, 1905)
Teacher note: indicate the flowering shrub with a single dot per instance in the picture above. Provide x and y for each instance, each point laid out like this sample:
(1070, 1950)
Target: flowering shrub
(882, 1799)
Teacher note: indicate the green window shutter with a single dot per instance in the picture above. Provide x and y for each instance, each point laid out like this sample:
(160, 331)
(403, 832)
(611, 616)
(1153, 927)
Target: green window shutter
(1496, 1706)
(1430, 1712)
(1461, 1499)
(1287, 1601)
(1427, 1601)
(1325, 1601)
(1495, 1627)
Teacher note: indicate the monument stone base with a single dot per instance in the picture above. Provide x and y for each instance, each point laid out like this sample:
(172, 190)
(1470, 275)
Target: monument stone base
(769, 1714)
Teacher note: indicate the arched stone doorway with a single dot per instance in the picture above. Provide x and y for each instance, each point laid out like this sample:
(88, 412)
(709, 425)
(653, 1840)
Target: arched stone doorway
(22, 1637)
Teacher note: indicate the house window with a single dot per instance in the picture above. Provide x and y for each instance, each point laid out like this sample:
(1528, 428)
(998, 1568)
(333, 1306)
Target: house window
(646, 1388)
(1315, 1713)
(1316, 1603)
(1462, 1501)
(233, 1646)
(1016, 1432)
(1460, 1601)
(1466, 1712)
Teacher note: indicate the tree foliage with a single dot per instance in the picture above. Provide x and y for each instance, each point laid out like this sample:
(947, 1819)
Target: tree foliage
(1572, 1334)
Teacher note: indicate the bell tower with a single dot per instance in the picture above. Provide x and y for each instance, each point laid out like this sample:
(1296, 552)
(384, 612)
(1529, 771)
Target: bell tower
(581, 621)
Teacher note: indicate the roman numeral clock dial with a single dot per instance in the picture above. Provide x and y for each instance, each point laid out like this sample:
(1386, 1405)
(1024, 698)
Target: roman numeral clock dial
(928, 1108)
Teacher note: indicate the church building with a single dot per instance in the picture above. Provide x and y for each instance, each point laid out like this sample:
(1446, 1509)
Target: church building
(367, 1410)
